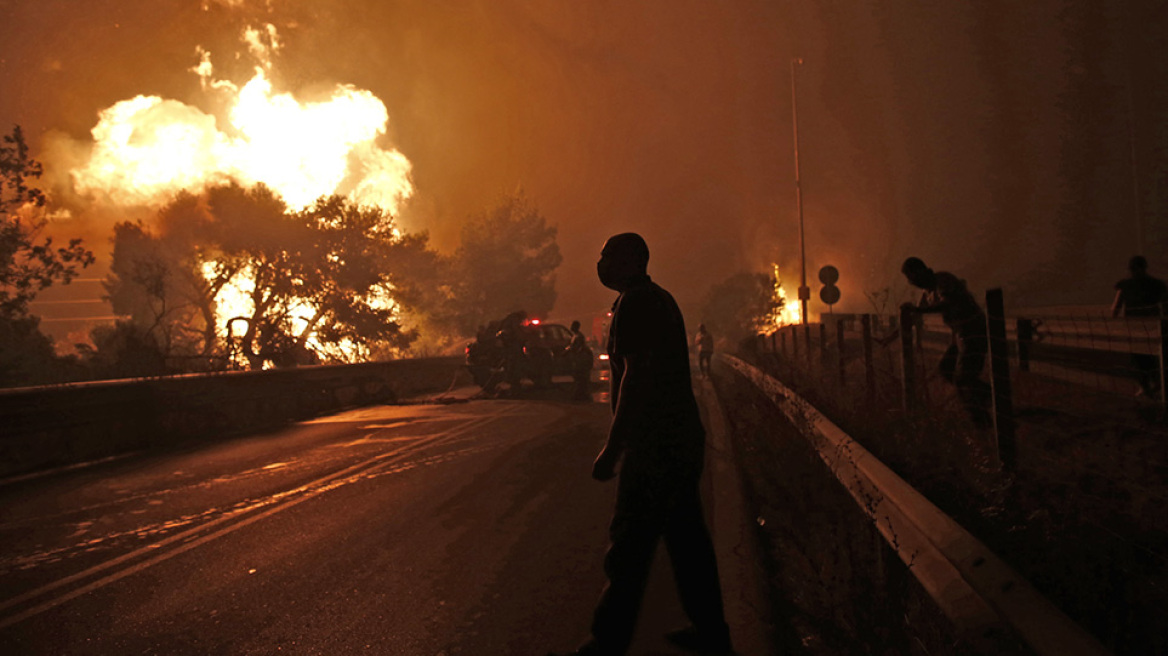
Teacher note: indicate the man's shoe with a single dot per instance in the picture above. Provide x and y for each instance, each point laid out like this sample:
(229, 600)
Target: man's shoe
(690, 639)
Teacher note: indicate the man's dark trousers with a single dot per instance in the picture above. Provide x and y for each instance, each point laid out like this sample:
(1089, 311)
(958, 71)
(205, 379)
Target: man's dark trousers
(657, 499)
(962, 365)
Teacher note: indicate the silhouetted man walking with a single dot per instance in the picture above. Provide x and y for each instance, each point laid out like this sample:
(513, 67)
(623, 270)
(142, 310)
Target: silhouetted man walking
(965, 358)
(657, 437)
(1142, 295)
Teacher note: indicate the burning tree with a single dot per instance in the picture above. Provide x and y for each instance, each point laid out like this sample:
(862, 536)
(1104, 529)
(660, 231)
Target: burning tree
(743, 304)
(234, 276)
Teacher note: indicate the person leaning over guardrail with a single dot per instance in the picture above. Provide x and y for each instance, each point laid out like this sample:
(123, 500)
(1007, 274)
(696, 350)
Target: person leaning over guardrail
(1141, 295)
(962, 363)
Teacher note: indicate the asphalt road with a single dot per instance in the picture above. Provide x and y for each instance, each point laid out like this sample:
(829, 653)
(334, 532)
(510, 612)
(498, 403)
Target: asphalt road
(431, 529)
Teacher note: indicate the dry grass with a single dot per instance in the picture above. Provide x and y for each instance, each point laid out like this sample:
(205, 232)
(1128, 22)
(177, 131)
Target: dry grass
(1085, 515)
(836, 585)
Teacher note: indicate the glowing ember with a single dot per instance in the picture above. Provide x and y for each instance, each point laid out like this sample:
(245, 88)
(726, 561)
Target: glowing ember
(146, 148)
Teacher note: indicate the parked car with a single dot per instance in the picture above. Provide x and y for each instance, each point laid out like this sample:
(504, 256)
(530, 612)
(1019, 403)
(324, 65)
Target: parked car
(538, 354)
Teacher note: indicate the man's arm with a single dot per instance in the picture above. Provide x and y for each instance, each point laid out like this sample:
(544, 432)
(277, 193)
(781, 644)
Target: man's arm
(924, 306)
(930, 302)
(630, 398)
(1117, 304)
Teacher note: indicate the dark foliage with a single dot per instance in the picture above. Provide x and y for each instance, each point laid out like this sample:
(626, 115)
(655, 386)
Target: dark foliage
(505, 262)
(741, 305)
(29, 263)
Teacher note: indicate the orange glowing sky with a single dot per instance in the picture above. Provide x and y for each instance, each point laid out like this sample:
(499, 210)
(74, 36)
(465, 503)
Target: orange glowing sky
(932, 131)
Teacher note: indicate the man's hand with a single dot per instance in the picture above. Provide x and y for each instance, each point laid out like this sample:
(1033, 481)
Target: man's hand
(604, 469)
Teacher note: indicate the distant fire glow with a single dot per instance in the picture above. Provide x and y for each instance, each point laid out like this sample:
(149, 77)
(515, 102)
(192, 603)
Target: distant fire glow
(788, 314)
(147, 147)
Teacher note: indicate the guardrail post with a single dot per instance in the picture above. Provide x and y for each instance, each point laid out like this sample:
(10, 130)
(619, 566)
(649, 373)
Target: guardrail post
(1000, 379)
(908, 367)
(869, 367)
(919, 328)
(822, 344)
(1163, 360)
(839, 353)
(807, 341)
(783, 342)
(794, 343)
(1025, 329)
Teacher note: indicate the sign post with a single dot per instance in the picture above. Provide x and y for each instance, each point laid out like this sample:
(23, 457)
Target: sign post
(830, 294)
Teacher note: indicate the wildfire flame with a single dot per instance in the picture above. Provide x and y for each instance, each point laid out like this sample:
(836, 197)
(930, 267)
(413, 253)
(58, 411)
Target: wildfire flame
(789, 313)
(146, 148)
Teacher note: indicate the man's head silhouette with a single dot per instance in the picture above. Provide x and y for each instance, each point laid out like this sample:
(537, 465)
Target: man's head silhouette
(624, 259)
(575, 326)
(918, 273)
(1138, 265)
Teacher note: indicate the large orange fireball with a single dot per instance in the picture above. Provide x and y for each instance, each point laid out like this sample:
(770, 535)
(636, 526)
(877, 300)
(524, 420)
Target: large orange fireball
(147, 147)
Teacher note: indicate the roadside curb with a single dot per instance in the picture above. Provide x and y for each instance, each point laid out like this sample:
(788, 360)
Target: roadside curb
(747, 608)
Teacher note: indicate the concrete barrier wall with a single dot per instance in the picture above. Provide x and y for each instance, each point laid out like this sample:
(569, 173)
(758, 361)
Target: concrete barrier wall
(57, 425)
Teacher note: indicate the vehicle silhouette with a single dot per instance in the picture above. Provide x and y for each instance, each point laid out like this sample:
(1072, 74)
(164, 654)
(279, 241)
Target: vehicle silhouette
(544, 355)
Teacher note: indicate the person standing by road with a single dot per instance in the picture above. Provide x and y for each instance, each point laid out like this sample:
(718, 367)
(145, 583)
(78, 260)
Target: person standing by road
(1141, 295)
(657, 437)
(962, 364)
(512, 340)
(580, 355)
(705, 344)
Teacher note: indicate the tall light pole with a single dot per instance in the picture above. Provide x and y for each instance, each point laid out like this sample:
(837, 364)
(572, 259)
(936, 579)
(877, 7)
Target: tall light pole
(804, 290)
(1135, 169)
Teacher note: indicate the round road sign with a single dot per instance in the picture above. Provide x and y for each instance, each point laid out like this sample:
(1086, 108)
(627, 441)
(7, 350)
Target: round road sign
(828, 275)
(830, 294)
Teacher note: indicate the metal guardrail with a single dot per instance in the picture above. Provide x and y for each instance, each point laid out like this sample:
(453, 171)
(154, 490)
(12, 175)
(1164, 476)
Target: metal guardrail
(975, 588)
(1083, 353)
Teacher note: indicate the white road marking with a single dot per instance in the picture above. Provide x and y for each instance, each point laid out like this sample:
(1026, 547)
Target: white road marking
(280, 501)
